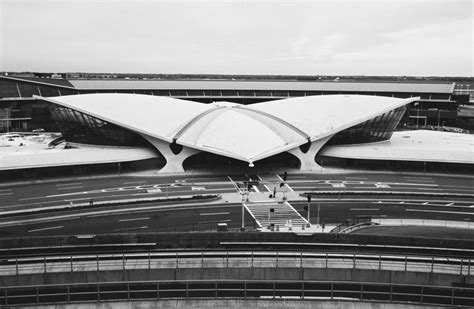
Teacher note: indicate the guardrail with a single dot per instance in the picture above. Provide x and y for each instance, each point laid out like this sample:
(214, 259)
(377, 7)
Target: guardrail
(235, 259)
(248, 289)
(248, 241)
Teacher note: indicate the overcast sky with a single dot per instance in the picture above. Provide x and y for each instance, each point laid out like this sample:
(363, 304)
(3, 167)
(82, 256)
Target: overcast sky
(359, 37)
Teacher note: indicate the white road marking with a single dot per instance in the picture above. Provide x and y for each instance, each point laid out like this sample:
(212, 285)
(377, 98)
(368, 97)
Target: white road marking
(46, 228)
(5, 190)
(198, 188)
(355, 209)
(6, 193)
(69, 184)
(214, 213)
(134, 219)
(131, 228)
(134, 182)
(441, 211)
(69, 188)
(382, 185)
(286, 184)
(431, 189)
(205, 222)
(338, 185)
(420, 180)
(450, 204)
(34, 198)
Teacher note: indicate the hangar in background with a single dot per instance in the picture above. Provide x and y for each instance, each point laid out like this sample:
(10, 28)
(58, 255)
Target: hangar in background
(437, 103)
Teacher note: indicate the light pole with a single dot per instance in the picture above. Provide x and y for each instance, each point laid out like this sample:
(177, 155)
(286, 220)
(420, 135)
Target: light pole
(438, 118)
(243, 214)
(317, 218)
(309, 209)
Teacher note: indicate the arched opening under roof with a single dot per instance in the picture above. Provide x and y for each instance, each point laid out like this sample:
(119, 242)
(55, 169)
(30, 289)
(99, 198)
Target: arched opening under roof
(213, 162)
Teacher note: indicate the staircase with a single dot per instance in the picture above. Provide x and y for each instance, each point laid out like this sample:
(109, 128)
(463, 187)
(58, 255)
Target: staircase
(283, 212)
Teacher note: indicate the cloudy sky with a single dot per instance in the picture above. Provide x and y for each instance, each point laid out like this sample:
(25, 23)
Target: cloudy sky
(336, 37)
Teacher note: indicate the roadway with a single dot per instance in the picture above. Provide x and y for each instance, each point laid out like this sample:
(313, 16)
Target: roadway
(153, 217)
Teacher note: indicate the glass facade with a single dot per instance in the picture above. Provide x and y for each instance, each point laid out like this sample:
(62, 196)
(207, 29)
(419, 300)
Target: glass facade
(376, 129)
(82, 128)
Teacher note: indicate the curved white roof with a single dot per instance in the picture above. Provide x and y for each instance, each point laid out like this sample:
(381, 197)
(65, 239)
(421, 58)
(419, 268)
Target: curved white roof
(245, 132)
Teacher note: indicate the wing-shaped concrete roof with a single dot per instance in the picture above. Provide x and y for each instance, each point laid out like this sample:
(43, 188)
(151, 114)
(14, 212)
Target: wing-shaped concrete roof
(248, 133)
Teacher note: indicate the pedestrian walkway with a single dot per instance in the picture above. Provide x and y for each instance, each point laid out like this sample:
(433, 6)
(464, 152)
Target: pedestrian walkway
(274, 213)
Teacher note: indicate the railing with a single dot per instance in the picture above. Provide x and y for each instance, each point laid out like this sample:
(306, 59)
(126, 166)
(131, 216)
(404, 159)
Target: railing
(235, 259)
(248, 289)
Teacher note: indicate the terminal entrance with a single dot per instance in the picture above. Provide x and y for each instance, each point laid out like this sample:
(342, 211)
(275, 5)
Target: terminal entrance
(213, 162)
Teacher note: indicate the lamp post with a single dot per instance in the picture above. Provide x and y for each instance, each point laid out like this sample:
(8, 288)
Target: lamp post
(309, 208)
(317, 218)
(438, 117)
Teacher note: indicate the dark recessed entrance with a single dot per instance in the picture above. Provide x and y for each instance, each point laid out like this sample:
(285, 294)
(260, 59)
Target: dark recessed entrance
(213, 162)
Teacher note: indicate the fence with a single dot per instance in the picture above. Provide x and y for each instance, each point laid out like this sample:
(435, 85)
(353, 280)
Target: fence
(235, 259)
(216, 289)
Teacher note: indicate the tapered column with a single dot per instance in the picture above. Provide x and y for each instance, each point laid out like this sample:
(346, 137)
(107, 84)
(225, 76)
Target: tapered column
(174, 159)
(307, 159)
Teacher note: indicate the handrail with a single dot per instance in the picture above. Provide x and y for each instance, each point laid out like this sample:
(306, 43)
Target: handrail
(239, 259)
(240, 289)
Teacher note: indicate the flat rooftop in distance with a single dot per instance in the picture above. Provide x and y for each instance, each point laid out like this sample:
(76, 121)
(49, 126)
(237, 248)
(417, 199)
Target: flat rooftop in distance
(118, 84)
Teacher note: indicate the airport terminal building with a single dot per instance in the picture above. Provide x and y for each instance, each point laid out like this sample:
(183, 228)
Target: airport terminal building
(115, 125)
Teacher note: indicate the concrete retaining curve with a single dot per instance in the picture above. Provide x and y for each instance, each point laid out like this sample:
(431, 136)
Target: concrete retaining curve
(236, 303)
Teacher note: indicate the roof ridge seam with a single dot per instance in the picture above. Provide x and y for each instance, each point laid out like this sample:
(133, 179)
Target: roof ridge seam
(278, 119)
(191, 122)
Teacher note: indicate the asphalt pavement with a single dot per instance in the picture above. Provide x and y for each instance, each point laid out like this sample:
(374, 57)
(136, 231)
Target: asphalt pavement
(334, 208)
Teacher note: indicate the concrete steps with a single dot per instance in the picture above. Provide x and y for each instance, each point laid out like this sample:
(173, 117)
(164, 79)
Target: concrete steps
(282, 213)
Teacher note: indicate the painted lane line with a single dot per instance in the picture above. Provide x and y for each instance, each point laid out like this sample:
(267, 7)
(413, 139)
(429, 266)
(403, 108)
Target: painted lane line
(69, 184)
(131, 228)
(421, 180)
(214, 213)
(32, 198)
(1, 190)
(134, 182)
(207, 222)
(133, 219)
(355, 209)
(6, 193)
(286, 184)
(449, 204)
(69, 188)
(198, 188)
(431, 189)
(441, 211)
(46, 228)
